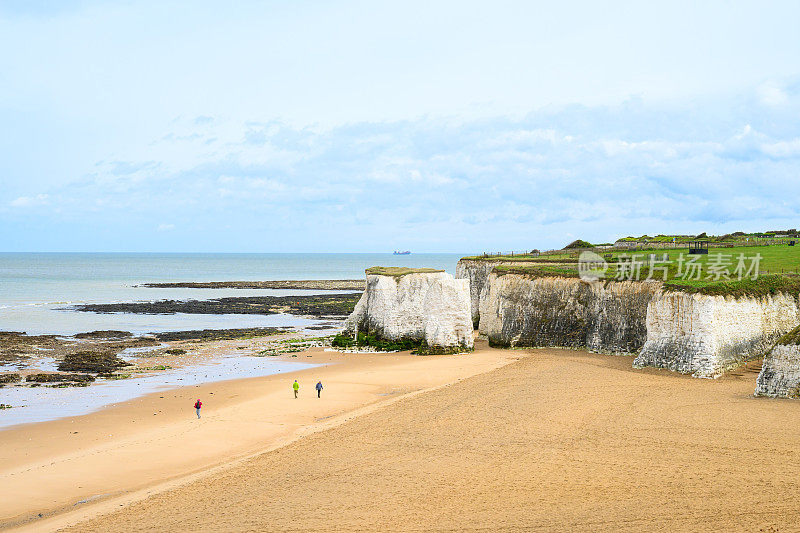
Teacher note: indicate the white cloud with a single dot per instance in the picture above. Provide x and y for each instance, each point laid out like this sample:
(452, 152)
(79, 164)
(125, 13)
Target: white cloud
(30, 201)
(789, 148)
(772, 94)
(594, 172)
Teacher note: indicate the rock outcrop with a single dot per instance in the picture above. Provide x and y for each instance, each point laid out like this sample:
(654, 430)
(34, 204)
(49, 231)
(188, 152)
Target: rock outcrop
(706, 335)
(477, 272)
(780, 373)
(429, 306)
(94, 362)
(696, 334)
(57, 378)
(606, 317)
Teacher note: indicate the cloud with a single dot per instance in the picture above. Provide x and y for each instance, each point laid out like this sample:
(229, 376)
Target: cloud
(524, 182)
(772, 94)
(123, 168)
(30, 201)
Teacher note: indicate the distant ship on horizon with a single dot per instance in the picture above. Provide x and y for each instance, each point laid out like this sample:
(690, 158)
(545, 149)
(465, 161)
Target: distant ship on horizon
(398, 252)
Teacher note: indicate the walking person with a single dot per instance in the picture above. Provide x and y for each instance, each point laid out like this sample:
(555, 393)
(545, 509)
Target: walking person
(296, 387)
(197, 406)
(319, 388)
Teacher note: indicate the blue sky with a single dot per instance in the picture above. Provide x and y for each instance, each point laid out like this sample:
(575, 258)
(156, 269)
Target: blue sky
(370, 126)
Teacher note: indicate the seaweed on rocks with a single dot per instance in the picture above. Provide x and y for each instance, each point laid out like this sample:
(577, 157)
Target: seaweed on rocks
(17, 346)
(94, 362)
(10, 378)
(56, 378)
(104, 334)
(374, 341)
(311, 305)
(416, 346)
(217, 334)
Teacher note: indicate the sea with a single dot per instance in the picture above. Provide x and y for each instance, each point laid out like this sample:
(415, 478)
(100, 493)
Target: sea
(37, 290)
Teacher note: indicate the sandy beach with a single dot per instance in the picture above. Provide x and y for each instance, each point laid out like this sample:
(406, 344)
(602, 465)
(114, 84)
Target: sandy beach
(561, 440)
(555, 440)
(73, 468)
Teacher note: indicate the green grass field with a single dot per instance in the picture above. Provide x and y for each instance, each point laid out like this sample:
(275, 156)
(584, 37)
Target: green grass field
(777, 259)
(732, 271)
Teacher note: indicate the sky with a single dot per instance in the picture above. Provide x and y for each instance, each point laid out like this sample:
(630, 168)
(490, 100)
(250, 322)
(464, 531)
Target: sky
(433, 126)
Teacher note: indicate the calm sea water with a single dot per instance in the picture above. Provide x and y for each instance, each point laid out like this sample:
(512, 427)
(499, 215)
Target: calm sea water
(34, 286)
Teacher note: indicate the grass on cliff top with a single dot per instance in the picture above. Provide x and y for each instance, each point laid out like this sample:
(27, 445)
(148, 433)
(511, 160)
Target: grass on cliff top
(792, 338)
(764, 285)
(779, 268)
(538, 271)
(399, 271)
(775, 259)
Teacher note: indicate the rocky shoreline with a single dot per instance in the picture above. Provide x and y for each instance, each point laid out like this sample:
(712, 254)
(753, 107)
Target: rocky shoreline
(327, 305)
(203, 335)
(304, 284)
(17, 346)
(57, 362)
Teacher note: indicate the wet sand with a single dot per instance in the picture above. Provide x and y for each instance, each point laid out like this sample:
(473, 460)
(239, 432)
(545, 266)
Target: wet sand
(560, 440)
(73, 468)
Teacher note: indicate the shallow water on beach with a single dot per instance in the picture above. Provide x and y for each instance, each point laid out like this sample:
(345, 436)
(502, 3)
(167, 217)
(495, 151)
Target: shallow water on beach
(37, 289)
(40, 404)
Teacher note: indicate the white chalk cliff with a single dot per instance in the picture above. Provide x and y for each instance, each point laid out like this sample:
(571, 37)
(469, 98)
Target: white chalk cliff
(706, 335)
(694, 334)
(516, 310)
(429, 306)
(477, 272)
(780, 373)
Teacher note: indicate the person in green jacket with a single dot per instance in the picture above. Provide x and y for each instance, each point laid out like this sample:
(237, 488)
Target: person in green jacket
(296, 387)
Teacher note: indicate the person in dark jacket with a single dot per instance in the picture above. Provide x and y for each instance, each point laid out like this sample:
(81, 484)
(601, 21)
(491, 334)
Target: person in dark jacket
(319, 388)
(197, 406)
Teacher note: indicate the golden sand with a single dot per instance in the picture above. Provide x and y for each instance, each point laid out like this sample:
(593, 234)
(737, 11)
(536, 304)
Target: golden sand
(559, 440)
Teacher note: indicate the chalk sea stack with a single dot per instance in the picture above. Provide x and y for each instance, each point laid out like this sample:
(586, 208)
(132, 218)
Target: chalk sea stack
(420, 304)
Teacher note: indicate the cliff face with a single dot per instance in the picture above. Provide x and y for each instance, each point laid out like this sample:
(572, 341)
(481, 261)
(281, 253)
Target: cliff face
(433, 307)
(707, 335)
(477, 272)
(602, 317)
(780, 373)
